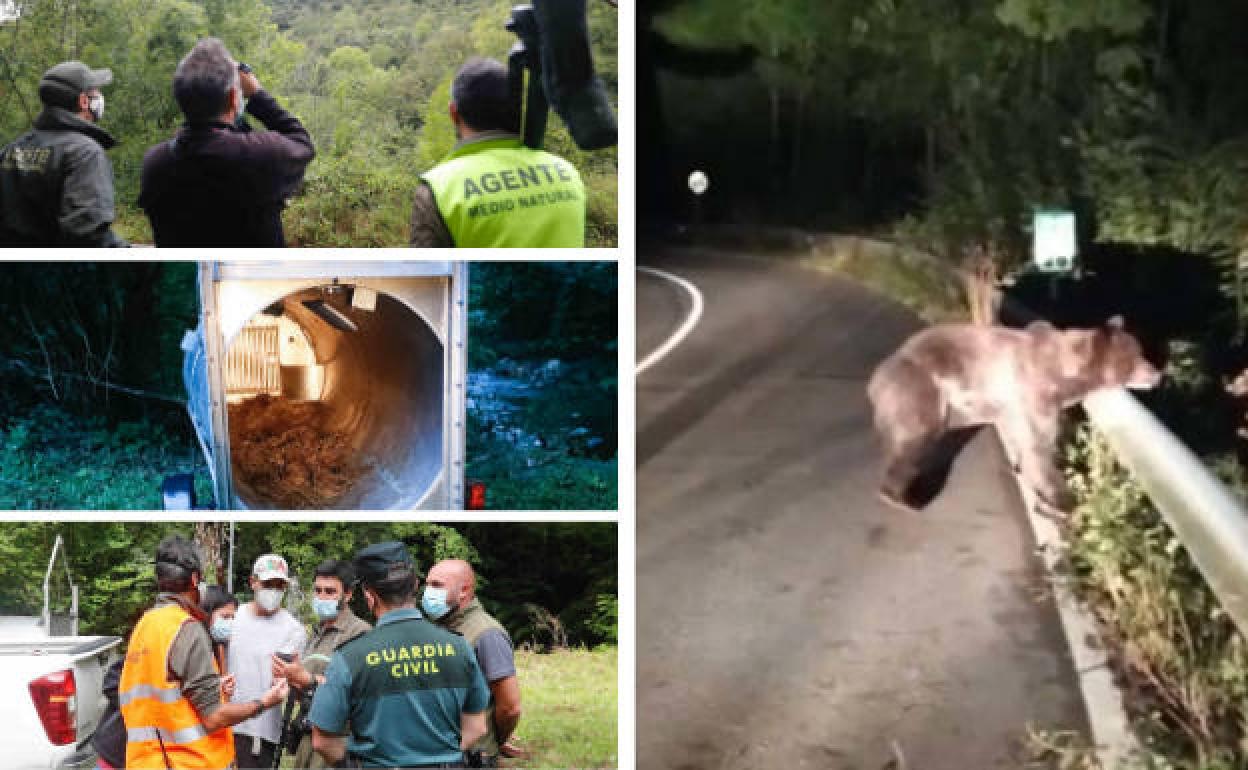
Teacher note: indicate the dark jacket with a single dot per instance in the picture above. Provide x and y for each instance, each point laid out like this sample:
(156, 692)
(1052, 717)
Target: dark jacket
(213, 185)
(110, 737)
(56, 184)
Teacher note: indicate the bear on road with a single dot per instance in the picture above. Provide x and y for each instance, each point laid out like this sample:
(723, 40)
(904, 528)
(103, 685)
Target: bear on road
(954, 376)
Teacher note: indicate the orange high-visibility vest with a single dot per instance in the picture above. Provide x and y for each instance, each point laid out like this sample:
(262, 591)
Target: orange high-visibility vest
(162, 728)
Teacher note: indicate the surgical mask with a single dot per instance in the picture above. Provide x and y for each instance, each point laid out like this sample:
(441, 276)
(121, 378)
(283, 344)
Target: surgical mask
(221, 629)
(433, 602)
(325, 609)
(269, 599)
(96, 106)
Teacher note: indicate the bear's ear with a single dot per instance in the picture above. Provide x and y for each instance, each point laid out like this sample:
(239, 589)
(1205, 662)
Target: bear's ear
(1115, 322)
(1040, 327)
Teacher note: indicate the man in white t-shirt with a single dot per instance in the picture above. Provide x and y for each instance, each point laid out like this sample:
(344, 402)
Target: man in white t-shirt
(261, 628)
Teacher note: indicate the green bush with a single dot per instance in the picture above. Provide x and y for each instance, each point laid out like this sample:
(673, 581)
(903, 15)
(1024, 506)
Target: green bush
(52, 460)
(1184, 663)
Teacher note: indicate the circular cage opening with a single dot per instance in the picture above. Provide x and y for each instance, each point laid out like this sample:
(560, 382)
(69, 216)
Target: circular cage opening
(335, 400)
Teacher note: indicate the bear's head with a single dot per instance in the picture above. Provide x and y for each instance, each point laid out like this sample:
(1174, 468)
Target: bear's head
(1107, 357)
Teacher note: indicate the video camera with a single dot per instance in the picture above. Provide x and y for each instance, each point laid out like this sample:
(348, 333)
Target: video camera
(295, 724)
(553, 47)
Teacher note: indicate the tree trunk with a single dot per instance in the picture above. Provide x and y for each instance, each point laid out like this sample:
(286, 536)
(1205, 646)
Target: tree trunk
(210, 535)
(798, 118)
(773, 145)
(929, 153)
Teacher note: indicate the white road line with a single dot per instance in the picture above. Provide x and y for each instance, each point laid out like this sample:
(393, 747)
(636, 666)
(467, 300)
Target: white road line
(695, 314)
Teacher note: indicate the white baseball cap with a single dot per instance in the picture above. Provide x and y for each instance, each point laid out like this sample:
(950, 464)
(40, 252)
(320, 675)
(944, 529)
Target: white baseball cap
(271, 566)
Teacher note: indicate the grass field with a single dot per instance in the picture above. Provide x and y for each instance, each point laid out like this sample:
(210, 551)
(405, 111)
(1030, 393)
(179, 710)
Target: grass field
(570, 708)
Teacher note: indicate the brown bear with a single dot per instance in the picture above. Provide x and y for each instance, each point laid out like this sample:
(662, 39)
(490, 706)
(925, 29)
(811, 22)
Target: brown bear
(954, 376)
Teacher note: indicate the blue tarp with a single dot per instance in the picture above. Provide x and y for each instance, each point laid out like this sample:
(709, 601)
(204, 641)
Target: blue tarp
(198, 397)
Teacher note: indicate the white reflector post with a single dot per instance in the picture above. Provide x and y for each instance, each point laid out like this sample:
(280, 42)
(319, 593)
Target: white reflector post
(698, 182)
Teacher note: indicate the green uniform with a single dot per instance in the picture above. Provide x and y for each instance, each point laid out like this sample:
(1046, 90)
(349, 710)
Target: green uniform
(492, 192)
(472, 621)
(401, 689)
(325, 639)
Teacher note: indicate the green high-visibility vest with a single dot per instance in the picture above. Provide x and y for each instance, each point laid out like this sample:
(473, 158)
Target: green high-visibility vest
(499, 193)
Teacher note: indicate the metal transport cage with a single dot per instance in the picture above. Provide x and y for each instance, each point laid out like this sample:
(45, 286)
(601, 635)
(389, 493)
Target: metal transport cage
(372, 353)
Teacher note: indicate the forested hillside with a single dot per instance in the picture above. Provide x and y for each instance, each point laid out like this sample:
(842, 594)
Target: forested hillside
(369, 78)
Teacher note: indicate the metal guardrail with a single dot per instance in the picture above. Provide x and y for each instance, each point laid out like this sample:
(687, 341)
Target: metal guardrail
(1210, 522)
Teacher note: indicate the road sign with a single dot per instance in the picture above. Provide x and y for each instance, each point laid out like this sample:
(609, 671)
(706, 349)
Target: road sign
(698, 182)
(1054, 248)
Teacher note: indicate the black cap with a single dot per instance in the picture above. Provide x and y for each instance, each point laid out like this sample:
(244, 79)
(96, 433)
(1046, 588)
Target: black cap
(60, 85)
(179, 552)
(376, 562)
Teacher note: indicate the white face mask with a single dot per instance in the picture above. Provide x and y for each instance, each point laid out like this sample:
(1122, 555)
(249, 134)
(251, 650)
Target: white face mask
(96, 107)
(269, 599)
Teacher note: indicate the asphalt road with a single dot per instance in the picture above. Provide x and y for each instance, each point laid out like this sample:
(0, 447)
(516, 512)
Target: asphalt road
(785, 617)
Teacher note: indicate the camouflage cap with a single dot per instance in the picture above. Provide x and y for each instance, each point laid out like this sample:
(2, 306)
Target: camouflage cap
(376, 562)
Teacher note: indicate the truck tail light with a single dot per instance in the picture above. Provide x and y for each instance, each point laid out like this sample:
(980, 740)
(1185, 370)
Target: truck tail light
(476, 496)
(56, 700)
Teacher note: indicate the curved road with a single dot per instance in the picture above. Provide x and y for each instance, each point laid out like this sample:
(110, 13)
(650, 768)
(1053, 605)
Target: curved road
(785, 618)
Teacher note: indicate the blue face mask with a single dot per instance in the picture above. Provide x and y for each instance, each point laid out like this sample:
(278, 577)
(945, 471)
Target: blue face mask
(325, 609)
(433, 602)
(221, 629)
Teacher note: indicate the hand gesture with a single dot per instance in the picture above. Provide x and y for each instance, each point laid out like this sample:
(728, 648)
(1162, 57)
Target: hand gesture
(512, 751)
(293, 672)
(248, 82)
(276, 694)
(228, 683)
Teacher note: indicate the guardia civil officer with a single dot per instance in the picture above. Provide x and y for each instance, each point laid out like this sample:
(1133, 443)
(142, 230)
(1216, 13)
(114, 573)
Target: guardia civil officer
(56, 182)
(492, 190)
(406, 694)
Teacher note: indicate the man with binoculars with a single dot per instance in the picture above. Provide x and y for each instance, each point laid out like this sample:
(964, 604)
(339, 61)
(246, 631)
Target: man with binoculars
(214, 184)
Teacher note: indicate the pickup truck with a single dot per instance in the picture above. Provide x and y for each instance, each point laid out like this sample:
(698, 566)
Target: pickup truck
(51, 680)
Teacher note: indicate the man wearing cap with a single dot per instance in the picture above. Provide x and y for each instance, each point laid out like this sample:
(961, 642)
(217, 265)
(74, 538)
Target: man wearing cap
(450, 600)
(213, 184)
(170, 688)
(261, 630)
(56, 182)
(493, 191)
(332, 589)
(409, 694)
